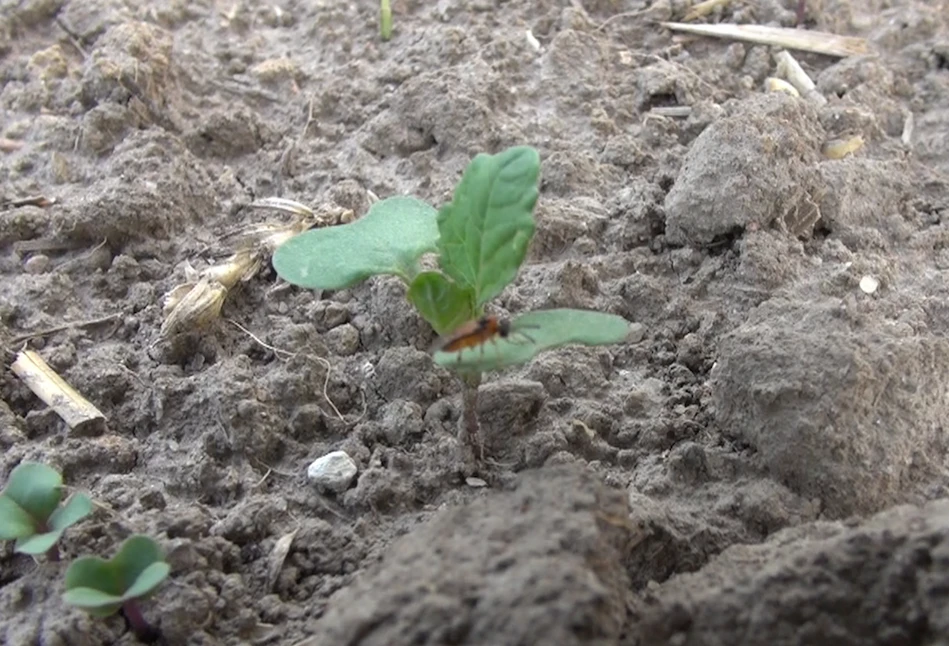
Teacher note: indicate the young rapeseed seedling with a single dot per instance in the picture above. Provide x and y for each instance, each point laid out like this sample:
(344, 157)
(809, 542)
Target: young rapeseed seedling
(30, 510)
(481, 239)
(102, 587)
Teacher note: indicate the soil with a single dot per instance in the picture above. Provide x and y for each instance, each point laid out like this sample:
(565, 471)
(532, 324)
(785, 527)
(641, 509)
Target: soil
(764, 462)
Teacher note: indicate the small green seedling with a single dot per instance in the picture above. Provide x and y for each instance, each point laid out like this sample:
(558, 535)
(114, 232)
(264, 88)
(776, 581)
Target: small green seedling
(30, 510)
(102, 587)
(385, 19)
(481, 239)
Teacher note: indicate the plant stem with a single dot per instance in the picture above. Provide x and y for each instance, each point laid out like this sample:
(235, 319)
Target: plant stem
(469, 431)
(385, 19)
(145, 632)
(52, 554)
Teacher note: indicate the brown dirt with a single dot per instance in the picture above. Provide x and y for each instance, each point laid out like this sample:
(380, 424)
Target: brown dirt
(766, 466)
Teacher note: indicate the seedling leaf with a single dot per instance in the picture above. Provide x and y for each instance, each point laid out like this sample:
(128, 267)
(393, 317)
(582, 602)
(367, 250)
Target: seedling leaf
(441, 302)
(486, 228)
(389, 239)
(95, 602)
(133, 573)
(535, 332)
(14, 521)
(36, 488)
(134, 557)
(37, 543)
(76, 508)
(148, 580)
(96, 573)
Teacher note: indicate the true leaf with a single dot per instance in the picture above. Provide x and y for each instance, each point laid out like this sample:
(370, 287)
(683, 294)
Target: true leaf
(486, 228)
(389, 239)
(535, 332)
(441, 302)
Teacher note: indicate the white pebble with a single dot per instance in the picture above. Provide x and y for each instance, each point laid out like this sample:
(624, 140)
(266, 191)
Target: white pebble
(334, 471)
(869, 284)
(37, 264)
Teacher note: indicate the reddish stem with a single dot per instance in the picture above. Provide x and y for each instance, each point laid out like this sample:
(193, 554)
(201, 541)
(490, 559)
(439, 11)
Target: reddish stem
(52, 554)
(469, 432)
(145, 632)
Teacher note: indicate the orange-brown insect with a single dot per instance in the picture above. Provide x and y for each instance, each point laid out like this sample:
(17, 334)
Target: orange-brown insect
(476, 333)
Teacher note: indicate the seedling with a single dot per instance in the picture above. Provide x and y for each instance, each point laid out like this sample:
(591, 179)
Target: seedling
(385, 19)
(102, 587)
(481, 239)
(30, 510)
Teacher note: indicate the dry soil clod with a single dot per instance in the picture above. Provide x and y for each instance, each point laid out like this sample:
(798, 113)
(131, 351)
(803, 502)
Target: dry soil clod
(73, 408)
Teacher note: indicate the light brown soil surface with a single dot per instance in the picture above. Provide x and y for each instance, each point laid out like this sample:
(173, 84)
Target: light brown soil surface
(767, 466)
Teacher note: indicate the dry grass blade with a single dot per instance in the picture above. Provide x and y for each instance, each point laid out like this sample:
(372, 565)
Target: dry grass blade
(72, 407)
(277, 557)
(799, 39)
(285, 205)
(239, 268)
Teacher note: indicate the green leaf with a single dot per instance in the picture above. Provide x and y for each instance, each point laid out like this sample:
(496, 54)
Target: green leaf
(37, 543)
(148, 580)
(76, 508)
(535, 332)
(441, 302)
(96, 573)
(389, 239)
(135, 571)
(134, 557)
(36, 488)
(14, 521)
(95, 602)
(486, 228)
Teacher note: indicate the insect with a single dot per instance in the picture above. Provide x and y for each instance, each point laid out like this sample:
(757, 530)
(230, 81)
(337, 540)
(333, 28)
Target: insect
(477, 333)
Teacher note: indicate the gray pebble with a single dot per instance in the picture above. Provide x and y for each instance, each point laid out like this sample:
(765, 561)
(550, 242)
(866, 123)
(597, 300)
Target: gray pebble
(36, 264)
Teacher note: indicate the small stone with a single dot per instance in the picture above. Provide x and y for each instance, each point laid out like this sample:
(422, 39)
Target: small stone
(477, 483)
(637, 331)
(869, 284)
(36, 264)
(333, 472)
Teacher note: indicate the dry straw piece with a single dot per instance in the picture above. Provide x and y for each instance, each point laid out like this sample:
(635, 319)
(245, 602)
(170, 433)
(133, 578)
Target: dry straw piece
(800, 39)
(789, 68)
(196, 303)
(74, 409)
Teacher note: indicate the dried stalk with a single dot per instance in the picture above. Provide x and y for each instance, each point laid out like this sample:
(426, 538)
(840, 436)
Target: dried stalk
(73, 408)
(799, 39)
